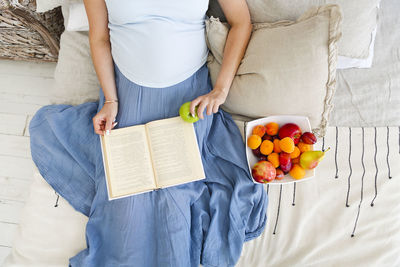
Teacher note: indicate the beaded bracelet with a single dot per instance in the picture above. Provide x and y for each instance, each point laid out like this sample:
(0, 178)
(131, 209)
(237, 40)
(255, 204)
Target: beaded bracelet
(110, 101)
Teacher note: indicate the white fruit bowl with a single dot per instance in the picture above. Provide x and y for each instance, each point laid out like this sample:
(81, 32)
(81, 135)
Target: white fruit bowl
(304, 125)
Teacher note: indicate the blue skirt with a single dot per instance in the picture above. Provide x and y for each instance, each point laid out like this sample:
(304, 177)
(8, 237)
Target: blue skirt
(203, 222)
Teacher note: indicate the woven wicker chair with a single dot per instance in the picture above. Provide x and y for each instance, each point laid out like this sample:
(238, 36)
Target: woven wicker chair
(28, 35)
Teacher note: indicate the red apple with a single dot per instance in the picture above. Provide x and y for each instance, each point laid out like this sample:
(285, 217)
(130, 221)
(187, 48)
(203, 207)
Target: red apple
(291, 130)
(308, 138)
(279, 174)
(263, 171)
(285, 162)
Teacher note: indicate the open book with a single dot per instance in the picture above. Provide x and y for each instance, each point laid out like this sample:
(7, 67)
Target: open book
(146, 157)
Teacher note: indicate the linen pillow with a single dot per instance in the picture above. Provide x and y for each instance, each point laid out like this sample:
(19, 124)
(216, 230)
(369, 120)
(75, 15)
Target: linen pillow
(74, 60)
(289, 67)
(359, 23)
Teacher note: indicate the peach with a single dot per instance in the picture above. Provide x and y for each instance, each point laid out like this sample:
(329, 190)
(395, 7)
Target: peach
(253, 141)
(297, 172)
(277, 148)
(259, 130)
(266, 147)
(296, 152)
(287, 145)
(304, 147)
(272, 128)
(274, 159)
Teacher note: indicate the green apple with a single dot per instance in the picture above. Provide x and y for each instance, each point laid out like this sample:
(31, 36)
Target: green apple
(184, 112)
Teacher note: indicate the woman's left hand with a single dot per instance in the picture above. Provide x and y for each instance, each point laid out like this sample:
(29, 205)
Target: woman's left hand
(211, 101)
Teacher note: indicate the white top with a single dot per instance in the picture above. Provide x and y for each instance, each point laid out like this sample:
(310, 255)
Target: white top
(157, 43)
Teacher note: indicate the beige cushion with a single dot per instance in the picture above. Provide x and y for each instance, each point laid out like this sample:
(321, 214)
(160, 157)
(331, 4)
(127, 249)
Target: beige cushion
(359, 19)
(75, 77)
(289, 67)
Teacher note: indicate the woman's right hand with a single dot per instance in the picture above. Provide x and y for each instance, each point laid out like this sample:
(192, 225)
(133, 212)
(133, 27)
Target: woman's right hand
(104, 119)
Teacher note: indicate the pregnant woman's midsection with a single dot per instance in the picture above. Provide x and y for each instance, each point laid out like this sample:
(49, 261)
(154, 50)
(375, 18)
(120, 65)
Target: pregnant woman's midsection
(160, 47)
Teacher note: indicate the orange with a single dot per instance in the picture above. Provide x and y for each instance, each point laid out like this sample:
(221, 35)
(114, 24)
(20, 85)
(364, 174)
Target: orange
(296, 160)
(266, 147)
(287, 145)
(277, 148)
(297, 172)
(259, 130)
(304, 147)
(253, 141)
(274, 159)
(295, 153)
(272, 128)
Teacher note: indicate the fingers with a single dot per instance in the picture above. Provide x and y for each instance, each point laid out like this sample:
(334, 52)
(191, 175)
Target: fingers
(210, 108)
(101, 125)
(205, 103)
(193, 105)
(97, 125)
(215, 108)
(108, 126)
(201, 108)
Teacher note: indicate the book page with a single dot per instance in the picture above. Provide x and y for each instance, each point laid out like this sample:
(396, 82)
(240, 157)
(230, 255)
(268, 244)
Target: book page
(175, 152)
(130, 168)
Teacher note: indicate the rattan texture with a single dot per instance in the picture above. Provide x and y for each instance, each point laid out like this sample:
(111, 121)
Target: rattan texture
(28, 35)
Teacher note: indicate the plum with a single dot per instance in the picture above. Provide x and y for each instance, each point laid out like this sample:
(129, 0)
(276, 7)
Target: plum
(285, 162)
(308, 138)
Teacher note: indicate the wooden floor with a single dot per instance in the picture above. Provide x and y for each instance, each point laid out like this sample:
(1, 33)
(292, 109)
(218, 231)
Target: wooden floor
(24, 88)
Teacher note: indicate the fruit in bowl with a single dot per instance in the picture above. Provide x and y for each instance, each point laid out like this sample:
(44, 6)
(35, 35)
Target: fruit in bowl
(308, 138)
(291, 130)
(285, 162)
(310, 159)
(284, 143)
(263, 171)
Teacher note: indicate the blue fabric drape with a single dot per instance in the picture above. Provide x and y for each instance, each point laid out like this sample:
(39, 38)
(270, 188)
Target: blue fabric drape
(203, 222)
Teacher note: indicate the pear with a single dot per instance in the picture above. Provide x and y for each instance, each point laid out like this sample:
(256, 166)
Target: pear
(310, 159)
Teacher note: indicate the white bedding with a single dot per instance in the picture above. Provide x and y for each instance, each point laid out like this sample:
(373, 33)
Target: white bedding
(315, 232)
(371, 97)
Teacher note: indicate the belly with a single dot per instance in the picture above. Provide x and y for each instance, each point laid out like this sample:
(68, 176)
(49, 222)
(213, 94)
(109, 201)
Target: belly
(158, 51)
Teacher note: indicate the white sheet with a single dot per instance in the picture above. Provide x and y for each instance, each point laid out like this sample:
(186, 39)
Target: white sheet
(317, 230)
(371, 97)
(314, 232)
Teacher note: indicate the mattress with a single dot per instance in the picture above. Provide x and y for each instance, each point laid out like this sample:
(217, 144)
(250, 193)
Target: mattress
(348, 215)
(308, 223)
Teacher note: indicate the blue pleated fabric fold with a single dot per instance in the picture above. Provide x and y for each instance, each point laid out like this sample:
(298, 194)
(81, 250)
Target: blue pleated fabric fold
(203, 222)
